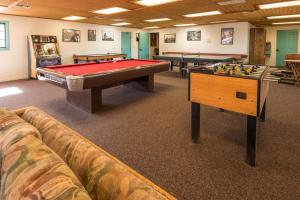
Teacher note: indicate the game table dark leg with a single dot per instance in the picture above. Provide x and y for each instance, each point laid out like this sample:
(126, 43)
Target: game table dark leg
(263, 112)
(251, 140)
(89, 100)
(195, 122)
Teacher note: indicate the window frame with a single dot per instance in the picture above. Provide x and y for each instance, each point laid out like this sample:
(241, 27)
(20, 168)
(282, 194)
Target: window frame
(6, 25)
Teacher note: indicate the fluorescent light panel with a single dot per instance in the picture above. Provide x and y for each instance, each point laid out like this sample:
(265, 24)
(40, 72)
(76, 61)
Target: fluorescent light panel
(121, 24)
(282, 23)
(202, 14)
(73, 18)
(154, 2)
(2, 8)
(158, 20)
(284, 16)
(279, 4)
(151, 27)
(225, 21)
(180, 25)
(109, 11)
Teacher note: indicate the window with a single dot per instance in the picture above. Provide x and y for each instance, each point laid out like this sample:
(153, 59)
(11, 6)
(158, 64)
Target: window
(4, 39)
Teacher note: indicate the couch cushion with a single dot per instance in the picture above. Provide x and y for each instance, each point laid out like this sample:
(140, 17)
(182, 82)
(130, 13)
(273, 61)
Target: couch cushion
(30, 169)
(102, 175)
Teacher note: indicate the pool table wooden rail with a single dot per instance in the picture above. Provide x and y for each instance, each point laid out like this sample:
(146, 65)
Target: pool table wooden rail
(95, 57)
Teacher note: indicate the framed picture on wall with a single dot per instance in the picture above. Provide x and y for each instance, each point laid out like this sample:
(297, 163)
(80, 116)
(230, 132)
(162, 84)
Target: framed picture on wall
(107, 35)
(170, 38)
(91, 35)
(71, 35)
(194, 36)
(227, 36)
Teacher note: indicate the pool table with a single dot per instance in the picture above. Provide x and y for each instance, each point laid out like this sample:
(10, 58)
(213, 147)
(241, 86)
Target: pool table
(97, 57)
(84, 82)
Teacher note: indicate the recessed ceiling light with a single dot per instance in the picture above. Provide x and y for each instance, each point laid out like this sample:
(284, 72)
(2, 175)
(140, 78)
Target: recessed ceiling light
(231, 2)
(121, 24)
(283, 16)
(180, 25)
(73, 18)
(281, 23)
(225, 21)
(279, 4)
(158, 20)
(2, 8)
(109, 11)
(154, 2)
(202, 14)
(151, 27)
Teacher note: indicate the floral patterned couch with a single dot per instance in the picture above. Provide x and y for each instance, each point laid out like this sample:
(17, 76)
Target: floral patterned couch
(43, 159)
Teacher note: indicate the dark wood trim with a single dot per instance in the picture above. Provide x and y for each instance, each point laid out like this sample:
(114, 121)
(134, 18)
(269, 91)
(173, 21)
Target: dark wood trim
(263, 112)
(258, 97)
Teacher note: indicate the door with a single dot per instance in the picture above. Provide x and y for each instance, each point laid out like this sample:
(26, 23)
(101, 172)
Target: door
(144, 46)
(126, 43)
(287, 42)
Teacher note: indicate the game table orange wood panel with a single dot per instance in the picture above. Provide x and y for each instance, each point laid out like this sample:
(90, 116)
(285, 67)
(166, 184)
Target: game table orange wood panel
(84, 82)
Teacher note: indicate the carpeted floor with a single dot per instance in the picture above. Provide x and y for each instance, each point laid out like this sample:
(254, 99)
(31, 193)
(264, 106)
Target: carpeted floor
(151, 133)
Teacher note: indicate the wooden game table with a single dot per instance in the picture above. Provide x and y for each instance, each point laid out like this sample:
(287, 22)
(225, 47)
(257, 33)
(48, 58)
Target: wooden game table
(244, 94)
(294, 65)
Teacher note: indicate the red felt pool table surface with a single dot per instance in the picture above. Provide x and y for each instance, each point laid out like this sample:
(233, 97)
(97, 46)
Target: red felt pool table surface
(93, 68)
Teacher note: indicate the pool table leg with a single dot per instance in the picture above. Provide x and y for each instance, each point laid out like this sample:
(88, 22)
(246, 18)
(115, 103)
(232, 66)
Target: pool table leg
(89, 100)
(147, 82)
(172, 65)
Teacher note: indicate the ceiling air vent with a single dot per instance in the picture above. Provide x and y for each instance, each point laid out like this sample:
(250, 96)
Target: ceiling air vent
(24, 6)
(231, 2)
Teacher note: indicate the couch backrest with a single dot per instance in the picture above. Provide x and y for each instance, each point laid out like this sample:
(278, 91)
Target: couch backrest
(103, 176)
(29, 168)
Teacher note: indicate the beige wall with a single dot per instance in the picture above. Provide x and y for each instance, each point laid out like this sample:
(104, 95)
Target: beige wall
(272, 36)
(14, 62)
(210, 39)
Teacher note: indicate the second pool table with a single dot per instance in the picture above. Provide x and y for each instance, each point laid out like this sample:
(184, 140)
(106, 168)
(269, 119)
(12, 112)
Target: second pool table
(84, 82)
